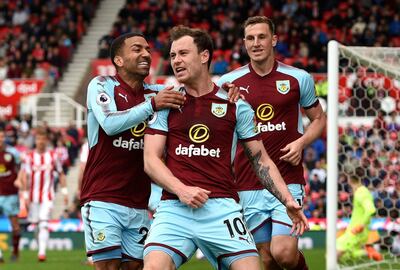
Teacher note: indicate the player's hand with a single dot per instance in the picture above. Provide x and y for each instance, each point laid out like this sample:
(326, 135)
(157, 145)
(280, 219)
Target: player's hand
(295, 212)
(168, 98)
(194, 197)
(233, 92)
(294, 152)
(357, 229)
(17, 184)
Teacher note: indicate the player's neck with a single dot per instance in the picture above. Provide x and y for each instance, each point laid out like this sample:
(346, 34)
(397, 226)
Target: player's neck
(200, 86)
(134, 81)
(263, 68)
(355, 186)
(40, 150)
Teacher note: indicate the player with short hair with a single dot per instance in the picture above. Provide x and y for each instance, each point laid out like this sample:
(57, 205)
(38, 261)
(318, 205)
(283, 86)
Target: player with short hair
(39, 168)
(9, 199)
(115, 188)
(199, 207)
(276, 92)
(353, 243)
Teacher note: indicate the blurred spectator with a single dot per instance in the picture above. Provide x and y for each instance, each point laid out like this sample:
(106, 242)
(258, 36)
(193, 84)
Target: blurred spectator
(319, 172)
(220, 66)
(3, 69)
(394, 26)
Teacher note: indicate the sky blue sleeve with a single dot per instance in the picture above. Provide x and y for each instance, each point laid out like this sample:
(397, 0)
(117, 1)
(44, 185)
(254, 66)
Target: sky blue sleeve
(221, 80)
(160, 120)
(102, 104)
(15, 154)
(307, 91)
(245, 124)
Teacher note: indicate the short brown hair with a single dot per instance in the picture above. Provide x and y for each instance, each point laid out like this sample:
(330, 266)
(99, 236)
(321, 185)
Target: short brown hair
(41, 131)
(357, 174)
(260, 19)
(201, 38)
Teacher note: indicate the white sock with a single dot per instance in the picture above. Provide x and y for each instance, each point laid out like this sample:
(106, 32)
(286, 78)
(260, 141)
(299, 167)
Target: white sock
(43, 238)
(1, 254)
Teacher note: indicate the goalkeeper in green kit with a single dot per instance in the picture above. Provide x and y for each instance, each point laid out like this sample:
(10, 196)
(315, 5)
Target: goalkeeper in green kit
(353, 243)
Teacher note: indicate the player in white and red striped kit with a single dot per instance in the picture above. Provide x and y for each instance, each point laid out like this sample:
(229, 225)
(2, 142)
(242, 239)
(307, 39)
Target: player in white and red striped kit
(39, 169)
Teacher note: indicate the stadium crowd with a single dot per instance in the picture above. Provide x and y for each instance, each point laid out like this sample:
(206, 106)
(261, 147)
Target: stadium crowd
(38, 38)
(303, 27)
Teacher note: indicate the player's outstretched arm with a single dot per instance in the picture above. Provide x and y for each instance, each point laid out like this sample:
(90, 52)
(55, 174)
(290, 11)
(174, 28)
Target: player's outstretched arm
(101, 102)
(272, 180)
(155, 167)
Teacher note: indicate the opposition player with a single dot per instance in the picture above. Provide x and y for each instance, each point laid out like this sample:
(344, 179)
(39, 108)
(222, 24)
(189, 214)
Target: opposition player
(276, 92)
(199, 205)
(38, 171)
(353, 243)
(9, 200)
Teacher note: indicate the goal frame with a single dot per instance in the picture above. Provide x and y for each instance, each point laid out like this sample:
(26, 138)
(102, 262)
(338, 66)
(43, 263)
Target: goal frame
(335, 49)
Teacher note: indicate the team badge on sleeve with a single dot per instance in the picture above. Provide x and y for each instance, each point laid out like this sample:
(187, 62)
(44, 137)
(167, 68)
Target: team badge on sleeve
(153, 118)
(7, 157)
(219, 110)
(283, 86)
(103, 99)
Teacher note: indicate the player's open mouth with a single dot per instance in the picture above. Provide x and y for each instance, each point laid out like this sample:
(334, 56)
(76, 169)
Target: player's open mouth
(144, 64)
(179, 70)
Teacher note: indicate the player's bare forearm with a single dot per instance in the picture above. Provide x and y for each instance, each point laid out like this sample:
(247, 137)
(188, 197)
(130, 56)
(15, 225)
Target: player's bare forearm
(155, 167)
(160, 174)
(317, 125)
(22, 178)
(267, 171)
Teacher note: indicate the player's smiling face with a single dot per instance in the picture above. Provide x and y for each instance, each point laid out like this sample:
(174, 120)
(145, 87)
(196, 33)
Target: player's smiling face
(186, 61)
(136, 56)
(259, 42)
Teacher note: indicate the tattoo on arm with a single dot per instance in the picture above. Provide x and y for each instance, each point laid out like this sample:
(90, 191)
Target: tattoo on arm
(262, 172)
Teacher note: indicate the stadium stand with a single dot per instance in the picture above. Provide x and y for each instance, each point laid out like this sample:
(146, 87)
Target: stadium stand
(38, 38)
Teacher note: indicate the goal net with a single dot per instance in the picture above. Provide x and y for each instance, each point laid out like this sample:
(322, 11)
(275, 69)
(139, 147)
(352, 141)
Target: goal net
(364, 132)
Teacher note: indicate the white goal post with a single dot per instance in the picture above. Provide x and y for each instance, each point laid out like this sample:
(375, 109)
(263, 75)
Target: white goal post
(377, 62)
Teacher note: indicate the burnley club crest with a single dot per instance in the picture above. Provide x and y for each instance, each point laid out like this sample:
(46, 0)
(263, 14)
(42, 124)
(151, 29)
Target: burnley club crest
(283, 86)
(219, 110)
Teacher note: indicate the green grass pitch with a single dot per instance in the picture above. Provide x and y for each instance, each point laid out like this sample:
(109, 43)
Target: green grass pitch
(73, 260)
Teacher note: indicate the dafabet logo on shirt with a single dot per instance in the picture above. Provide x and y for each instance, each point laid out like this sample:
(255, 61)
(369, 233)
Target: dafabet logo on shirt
(265, 112)
(198, 133)
(138, 130)
(132, 144)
